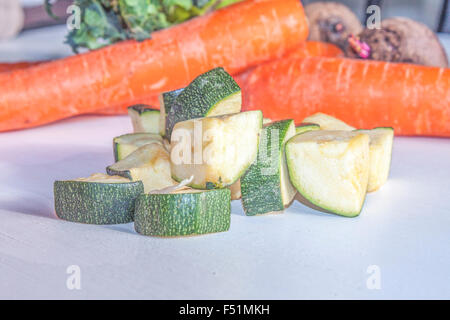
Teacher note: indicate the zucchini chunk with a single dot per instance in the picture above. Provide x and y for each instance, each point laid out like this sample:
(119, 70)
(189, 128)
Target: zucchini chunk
(306, 127)
(216, 150)
(327, 122)
(211, 94)
(185, 212)
(99, 199)
(127, 143)
(381, 142)
(166, 101)
(144, 118)
(330, 169)
(265, 186)
(149, 164)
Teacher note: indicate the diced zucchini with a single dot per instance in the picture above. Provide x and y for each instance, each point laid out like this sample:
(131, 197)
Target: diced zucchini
(211, 94)
(166, 101)
(99, 199)
(381, 142)
(306, 127)
(185, 212)
(144, 118)
(149, 164)
(265, 186)
(126, 144)
(330, 169)
(216, 150)
(327, 122)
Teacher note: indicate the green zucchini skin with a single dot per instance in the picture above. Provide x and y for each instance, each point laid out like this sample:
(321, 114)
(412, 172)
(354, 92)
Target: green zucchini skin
(96, 203)
(183, 214)
(200, 97)
(120, 173)
(261, 193)
(166, 101)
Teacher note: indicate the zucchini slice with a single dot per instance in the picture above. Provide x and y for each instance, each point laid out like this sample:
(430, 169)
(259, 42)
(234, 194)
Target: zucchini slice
(127, 143)
(327, 122)
(217, 150)
(185, 212)
(235, 189)
(306, 127)
(144, 118)
(149, 164)
(381, 142)
(99, 199)
(265, 186)
(166, 101)
(330, 169)
(211, 94)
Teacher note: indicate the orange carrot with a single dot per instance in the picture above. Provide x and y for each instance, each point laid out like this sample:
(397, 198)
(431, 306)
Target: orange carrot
(306, 49)
(237, 37)
(413, 99)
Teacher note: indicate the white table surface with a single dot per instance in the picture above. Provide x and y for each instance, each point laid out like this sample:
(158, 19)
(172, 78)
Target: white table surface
(404, 228)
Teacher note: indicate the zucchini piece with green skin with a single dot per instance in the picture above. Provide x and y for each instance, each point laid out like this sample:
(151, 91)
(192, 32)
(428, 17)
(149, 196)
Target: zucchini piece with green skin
(99, 199)
(211, 94)
(128, 143)
(327, 122)
(235, 189)
(149, 164)
(186, 212)
(265, 186)
(330, 169)
(216, 150)
(306, 127)
(166, 101)
(381, 142)
(144, 118)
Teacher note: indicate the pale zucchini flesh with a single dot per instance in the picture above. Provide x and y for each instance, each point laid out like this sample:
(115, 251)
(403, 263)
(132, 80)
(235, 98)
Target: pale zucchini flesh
(215, 150)
(128, 143)
(166, 101)
(144, 118)
(330, 169)
(381, 142)
(149, 164)
(327, 122)
(266, 187)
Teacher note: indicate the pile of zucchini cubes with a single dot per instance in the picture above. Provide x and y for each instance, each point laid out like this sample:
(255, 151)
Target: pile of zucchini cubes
(178, 172)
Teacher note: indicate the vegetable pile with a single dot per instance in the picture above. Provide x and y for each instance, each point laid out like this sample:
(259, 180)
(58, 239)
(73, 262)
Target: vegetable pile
(178, 172)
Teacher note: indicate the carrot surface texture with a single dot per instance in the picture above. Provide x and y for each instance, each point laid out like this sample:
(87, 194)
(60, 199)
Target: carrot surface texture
(237, 37)
(414, 100)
